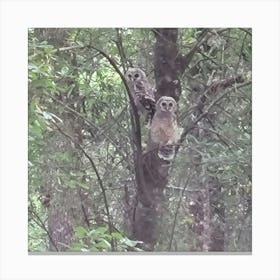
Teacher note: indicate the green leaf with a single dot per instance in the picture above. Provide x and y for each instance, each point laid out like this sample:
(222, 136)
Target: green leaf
(94, 249)
(117, 235)
(104, 244)
(84, 186)
(101, 229)
(80, 232)
(131, 243)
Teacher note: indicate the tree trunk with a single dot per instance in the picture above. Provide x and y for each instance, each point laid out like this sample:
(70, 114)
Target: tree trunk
(153, 170)
(67, 205)
(217, 238)
(152, 176)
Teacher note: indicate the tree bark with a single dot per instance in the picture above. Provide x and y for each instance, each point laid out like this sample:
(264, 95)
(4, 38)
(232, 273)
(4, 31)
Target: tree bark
(169, 65)
(154, 171)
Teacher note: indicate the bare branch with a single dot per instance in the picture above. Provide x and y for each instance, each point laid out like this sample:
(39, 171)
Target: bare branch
(91, 124)
(40, 223)
(188, 128)
(185, 60)
(100, 182)
(246, 31)
(119, 45)
(135, 120)
(176, 214)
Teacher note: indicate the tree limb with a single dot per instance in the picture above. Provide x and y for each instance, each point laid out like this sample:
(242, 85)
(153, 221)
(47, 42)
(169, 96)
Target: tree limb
(184, 60)
(188, 128)
(136, 121)
(91, 124)
(176, 214)
(40, 223)
(100, 182)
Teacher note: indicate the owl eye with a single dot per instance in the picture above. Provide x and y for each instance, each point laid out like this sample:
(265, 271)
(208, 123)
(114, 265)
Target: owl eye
(136, 75)
(129, 76)
(170, 104)
(163, 104)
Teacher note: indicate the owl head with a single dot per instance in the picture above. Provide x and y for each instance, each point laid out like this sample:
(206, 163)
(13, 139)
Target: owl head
(166, 104)
(135, 74)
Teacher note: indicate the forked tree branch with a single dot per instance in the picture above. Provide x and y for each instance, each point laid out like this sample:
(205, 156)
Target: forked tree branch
(135, 122)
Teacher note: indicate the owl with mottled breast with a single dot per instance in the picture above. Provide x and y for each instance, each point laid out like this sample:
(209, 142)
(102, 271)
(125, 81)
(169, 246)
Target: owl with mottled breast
(141, 89)
(164, 123)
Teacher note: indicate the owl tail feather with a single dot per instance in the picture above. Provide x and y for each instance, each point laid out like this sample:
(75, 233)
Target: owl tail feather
(167, 152)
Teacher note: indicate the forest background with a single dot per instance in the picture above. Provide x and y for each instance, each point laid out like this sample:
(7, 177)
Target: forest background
(87, 144)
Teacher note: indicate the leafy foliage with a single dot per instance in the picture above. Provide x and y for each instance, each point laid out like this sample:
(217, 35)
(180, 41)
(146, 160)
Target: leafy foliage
(81, 154)
(98, 240)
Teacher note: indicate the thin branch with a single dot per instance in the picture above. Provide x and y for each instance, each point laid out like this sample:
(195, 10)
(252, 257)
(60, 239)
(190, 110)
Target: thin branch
(84, 210)
(246, 31)
(121, 49)
(40, 223)
(185, 60)
(241, 51)
(136, 121)
(206, 57)
(188, 128)
(91, 124)
(217, 133)
(176, 214)
(100, 182)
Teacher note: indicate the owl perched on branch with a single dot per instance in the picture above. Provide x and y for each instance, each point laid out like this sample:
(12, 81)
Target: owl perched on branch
(164, 130)
(142, 91)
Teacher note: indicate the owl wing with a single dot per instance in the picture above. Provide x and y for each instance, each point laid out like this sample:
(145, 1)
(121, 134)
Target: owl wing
(147, 102)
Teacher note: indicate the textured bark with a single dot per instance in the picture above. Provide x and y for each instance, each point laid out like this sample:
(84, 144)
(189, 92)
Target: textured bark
(207, 204)
(67, 206)
(152, 171)
(166, 66)
(217, 238)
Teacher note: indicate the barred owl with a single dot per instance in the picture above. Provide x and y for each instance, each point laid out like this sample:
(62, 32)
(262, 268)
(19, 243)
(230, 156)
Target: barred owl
(164, 127)
(142, 91)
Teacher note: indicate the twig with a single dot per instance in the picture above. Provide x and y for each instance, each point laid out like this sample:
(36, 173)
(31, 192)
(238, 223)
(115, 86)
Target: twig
(176, 214)
(188, 128)
(91, 124)
(185, 60)
(246, 31)
(217, 133)
(84, 210)
(241, 51)
(121, 49)
(98, 179)
(42, 225)
(136, 125)
(136, 122)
